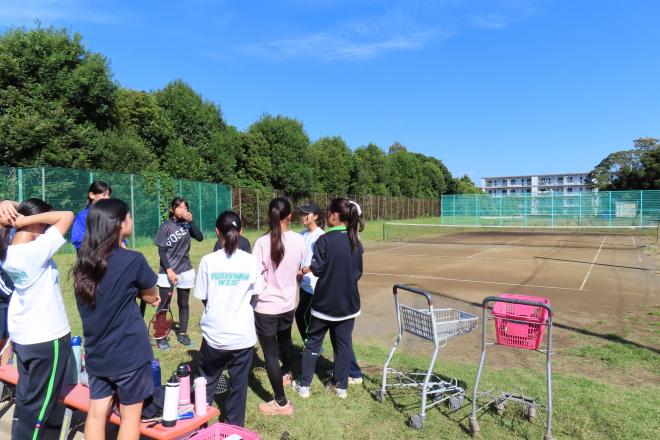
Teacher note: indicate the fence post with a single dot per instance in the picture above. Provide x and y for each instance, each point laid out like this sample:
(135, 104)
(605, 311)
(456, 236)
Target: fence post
(257, 191)
(199, 198)
(158, 200)
(132, 212)
(609, 210)
(501, 211)
(579, 209)
(19, 175)
(43, 183)
(476, 209)
(552, 208)
(180, 189)
(641, 208)
(91, 177)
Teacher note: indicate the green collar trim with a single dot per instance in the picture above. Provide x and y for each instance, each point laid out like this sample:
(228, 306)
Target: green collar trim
(336, 228)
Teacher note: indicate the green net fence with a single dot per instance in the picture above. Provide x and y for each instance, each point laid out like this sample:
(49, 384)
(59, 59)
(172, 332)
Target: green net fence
(148, 196)
(607, 209)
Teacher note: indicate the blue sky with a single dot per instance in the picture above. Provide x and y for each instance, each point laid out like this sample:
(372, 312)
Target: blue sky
(491, 87)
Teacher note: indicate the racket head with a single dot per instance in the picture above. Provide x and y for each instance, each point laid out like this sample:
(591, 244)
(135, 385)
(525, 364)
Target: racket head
(161, 324)
(6, 353)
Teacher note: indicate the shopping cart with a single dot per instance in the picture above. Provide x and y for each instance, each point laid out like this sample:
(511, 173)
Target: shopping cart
(520, 322)
(437, 325)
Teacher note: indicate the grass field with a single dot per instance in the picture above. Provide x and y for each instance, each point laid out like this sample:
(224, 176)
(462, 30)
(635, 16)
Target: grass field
(605, 389)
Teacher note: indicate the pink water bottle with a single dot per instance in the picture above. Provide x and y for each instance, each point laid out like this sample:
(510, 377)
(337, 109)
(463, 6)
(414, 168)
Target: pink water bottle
(183, 373)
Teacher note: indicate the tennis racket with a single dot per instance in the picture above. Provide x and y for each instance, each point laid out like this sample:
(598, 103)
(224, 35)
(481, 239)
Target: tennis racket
(162, 322)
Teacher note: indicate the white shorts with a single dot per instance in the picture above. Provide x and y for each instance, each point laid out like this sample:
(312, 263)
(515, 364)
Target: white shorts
(185, 280)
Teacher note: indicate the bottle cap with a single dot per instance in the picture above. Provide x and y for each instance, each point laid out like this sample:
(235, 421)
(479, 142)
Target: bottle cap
(155, 362)
(183, 370)
(76, 341)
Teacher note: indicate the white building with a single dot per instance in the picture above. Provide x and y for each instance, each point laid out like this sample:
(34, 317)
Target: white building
(565, 183)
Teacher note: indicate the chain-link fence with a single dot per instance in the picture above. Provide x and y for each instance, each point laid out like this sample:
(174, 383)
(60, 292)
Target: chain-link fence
(148, 196)
(600, 209)
(252, 205)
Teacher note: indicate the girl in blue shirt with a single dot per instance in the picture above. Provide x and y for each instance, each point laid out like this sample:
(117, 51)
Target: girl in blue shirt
(97, 191)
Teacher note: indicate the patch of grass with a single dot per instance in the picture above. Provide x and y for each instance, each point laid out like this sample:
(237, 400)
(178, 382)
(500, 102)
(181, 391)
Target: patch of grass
(619, 355)
(601, 322)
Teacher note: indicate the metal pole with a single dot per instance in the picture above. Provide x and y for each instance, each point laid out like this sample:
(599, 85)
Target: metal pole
(579, 209)
(43, 184)
(132, 212)
(476, 209)
(258, 226)
(641, 208)
(610, 209)
(19, 175)
(91, 177)
(199, 198)
(552, 208)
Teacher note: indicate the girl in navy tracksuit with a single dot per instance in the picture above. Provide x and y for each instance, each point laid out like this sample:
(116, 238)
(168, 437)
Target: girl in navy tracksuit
(337, 261)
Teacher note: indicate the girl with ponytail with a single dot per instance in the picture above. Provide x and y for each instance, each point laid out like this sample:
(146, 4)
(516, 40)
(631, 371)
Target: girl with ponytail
(337, 261)
(107, 279)
(226, 282)
(279, 254)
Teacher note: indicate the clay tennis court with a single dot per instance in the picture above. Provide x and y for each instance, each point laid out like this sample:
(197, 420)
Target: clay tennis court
(587, 277)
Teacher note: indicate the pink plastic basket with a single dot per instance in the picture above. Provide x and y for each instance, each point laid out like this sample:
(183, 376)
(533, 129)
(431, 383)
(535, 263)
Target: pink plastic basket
(219, 431)
(511, 331)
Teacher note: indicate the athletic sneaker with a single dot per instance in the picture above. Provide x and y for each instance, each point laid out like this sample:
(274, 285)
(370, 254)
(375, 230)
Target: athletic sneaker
(163, 345)
(302, 391)
(355, 381)
(339, 392)
(185, 340)
(273, 409)
(286, 379)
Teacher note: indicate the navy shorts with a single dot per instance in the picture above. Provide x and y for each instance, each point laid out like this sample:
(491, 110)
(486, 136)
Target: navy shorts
(131, 388)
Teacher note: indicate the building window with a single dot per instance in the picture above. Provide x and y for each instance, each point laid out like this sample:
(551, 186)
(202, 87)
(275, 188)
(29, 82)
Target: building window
(570, 179)
(513, 181)
(570, 190)
(513, 191)
(529, 190)
(560, 180)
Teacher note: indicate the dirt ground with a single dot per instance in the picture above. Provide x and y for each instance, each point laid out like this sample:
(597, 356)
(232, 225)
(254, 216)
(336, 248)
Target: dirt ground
(600, 288)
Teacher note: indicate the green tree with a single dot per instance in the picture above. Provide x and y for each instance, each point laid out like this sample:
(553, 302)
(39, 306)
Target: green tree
(637, 168)
(54, 97)
(331, 160)
(199, 126)
(289, 146)
(369, 171)
(253, 166)
(463, 185)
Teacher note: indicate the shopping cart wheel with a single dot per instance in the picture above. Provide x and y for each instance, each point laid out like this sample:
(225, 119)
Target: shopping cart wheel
(500, 407)
(530, 412)
(417, 421)
(456, 402)
(380, 396)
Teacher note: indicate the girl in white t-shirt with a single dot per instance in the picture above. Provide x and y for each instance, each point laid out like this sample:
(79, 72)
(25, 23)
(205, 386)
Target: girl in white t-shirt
(226, 281)
(38, 326)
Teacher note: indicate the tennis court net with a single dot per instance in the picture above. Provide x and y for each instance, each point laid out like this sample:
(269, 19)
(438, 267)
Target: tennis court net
(630, 237)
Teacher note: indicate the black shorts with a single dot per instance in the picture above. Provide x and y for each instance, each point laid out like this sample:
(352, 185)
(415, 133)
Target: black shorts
(269, 325)
(131, 388)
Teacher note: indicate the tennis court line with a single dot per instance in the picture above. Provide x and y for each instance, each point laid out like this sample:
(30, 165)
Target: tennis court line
(385, 250)
(633, 239)
(479, 253)
(591, 266)
(456, 257)
(467, 281)
(495, 247)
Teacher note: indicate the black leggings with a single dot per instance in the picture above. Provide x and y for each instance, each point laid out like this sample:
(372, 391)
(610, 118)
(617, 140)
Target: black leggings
(274, 332)
(182, 296)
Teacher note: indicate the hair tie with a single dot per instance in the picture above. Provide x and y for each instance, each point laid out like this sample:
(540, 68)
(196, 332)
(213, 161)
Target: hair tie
(359, 210)
(234, 223)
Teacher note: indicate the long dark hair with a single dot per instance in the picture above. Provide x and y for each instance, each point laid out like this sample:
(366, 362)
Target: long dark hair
(97, 187)
(278, 209)
(229, 225)
(27, 207)
(102, 237)
(175, 203)
(348, 213)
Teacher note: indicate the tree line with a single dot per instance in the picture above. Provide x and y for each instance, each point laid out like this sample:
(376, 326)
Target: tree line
(635, 168)
(59, 106)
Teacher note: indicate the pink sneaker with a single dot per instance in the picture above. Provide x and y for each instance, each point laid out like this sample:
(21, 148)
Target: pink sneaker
(273, 409)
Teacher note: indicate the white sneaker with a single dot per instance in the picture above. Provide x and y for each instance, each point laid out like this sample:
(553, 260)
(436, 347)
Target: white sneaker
(302, 391)
(355, 381)
(342, 394)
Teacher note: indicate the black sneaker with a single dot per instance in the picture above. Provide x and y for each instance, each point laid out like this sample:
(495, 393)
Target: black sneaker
(185, 340)
(162, 344)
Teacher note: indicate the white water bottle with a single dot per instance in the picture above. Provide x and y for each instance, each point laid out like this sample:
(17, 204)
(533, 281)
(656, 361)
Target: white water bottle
(200, 396)
(171, 404)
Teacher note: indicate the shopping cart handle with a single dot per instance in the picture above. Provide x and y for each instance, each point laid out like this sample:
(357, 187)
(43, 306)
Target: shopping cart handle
(412, 289)
(490, 299)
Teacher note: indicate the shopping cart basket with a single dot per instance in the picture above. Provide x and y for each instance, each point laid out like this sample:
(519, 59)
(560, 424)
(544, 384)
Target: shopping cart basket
(431, 324)
(520, 322)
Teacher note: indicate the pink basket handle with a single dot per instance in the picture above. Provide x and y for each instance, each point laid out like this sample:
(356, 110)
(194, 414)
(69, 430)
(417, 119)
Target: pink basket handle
(412, 289)
(490, 299)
